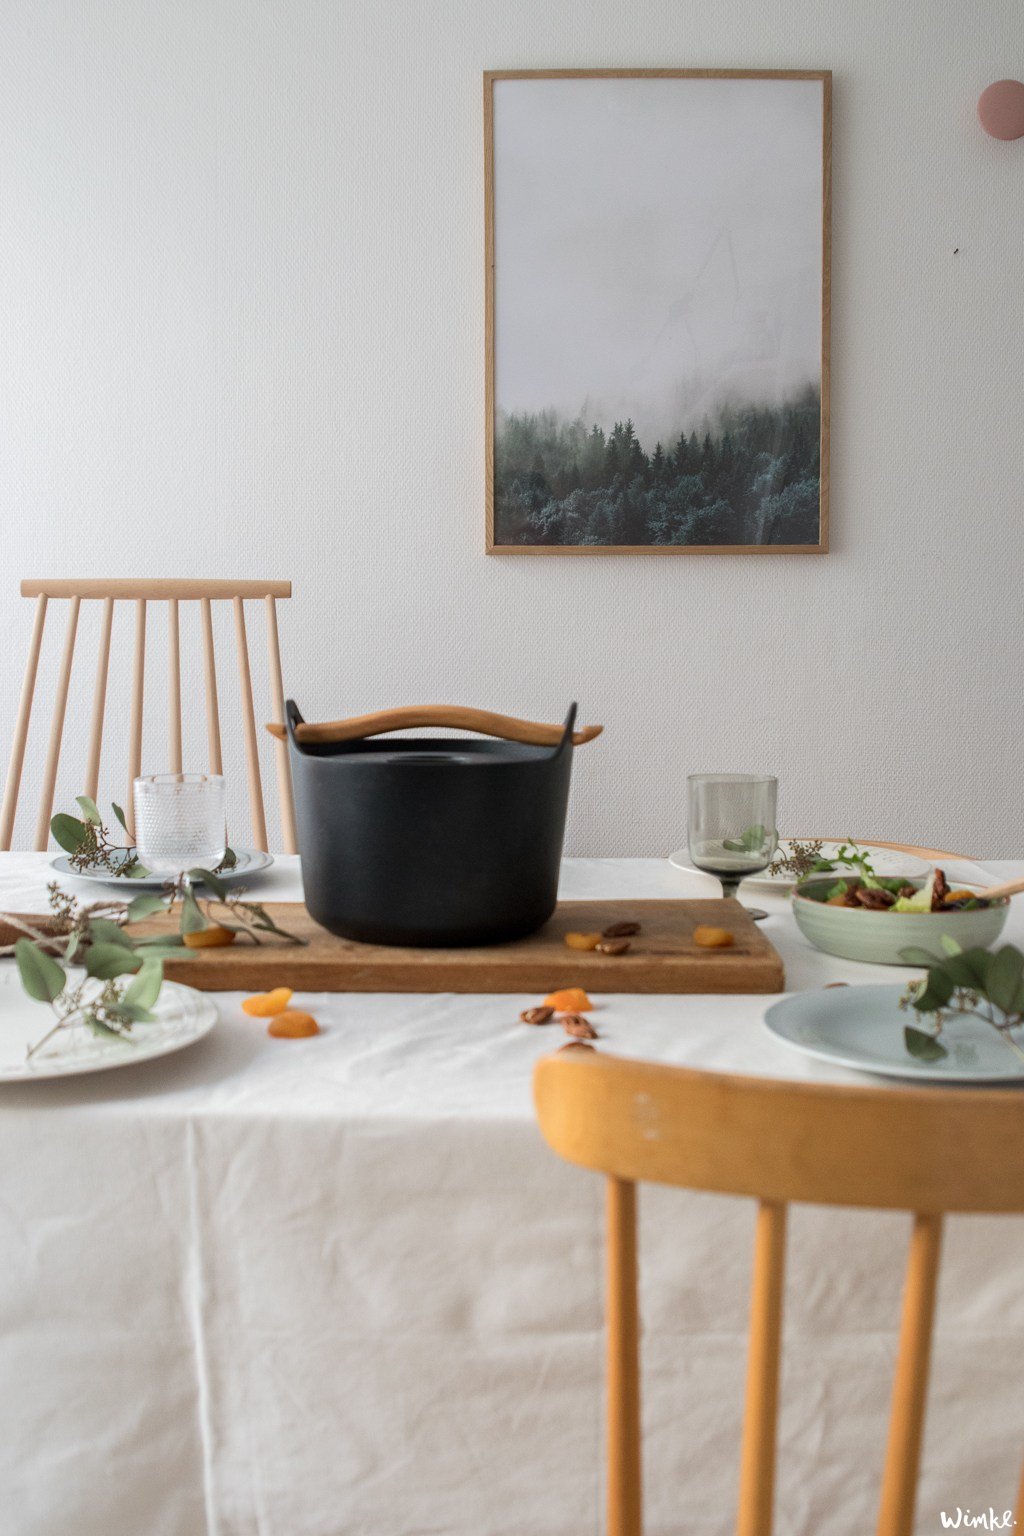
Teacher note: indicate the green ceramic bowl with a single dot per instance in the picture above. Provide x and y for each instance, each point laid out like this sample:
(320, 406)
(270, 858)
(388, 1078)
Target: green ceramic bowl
(878, 937)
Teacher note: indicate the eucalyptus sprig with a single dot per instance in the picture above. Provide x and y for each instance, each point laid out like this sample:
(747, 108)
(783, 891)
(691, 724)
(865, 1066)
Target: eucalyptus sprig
(90, 846)
(122, 973)
(979, 983)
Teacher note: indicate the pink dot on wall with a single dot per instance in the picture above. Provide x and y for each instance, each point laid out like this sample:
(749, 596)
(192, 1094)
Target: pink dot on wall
(1001, 109)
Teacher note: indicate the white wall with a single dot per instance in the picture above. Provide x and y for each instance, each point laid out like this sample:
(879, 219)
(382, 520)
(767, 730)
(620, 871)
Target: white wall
(241, 332)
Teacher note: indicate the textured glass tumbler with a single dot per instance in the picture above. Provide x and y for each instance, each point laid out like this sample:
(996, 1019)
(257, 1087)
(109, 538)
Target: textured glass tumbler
(179, 821)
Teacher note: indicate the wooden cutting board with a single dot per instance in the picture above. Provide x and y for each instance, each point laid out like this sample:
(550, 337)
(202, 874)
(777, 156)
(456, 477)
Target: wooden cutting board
(663, 957)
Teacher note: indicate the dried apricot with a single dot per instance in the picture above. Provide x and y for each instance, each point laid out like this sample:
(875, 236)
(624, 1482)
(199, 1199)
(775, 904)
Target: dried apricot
(712, 938)
(293, 1025)
(208, 938)
(582, 940)
(957, 896)
(569, 1000)
(266, 1004)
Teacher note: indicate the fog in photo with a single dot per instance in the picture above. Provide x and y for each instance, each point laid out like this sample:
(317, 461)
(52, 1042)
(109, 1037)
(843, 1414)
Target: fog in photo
(658, 265)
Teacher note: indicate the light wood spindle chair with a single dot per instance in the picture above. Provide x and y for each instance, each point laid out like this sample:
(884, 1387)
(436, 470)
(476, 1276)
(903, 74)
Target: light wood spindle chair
(926, 1151)
(141, 593)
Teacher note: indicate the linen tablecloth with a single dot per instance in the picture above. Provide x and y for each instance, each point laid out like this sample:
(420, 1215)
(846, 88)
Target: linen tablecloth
(340, 1287)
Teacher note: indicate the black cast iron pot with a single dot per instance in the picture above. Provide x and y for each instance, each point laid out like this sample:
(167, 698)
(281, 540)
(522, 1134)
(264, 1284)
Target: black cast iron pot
(431, 841)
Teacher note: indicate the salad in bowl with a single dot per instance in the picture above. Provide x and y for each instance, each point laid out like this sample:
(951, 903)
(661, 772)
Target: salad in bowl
(863, 916)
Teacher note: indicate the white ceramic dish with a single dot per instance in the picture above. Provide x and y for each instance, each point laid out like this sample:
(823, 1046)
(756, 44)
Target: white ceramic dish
(182, 1017)
(886, 861)
(862, 1028)
(250, 861)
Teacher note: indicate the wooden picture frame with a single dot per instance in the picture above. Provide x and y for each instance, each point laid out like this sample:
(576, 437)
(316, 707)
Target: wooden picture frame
(516, 502)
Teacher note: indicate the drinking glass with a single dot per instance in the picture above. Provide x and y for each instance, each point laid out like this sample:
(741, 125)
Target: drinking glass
(179, 821)
(732, 826)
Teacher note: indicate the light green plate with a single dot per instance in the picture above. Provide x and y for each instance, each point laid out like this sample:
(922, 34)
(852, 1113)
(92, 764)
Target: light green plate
(862, 1027)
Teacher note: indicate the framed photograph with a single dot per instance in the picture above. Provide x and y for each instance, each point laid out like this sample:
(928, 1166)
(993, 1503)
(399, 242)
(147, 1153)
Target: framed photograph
(657, 311)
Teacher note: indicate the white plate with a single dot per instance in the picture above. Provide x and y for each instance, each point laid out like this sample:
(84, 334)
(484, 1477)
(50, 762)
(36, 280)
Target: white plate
(250, 861)
(862, 1027)
(183, 1015)
(886, 861)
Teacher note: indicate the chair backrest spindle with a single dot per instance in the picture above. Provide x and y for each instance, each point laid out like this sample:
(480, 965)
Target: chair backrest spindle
(210, 678)
(174, 679)
(141, 593)
(60, 705)
(99, 700)
(284, 773)
(926, 1151)
(252, 752)
(17, 763)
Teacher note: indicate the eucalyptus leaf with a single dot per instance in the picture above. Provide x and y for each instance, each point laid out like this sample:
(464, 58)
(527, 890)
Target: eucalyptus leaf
(41, 976)
(1004, 975)
(145, 989)
(172, 942)
(915, 955)
(208, 878)
(119, 814)
(950, 945)
(69, 832)
(105, 961)
(144, 906)
(89, 809)
(937, 992)
(192, 919)
(136, 873)
(229, 860)
(104, 1031)
(154, 949)
(922, 1046)
(104, 931)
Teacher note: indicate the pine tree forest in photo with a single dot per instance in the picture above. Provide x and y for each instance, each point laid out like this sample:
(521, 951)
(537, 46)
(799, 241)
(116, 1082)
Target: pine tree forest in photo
(749, 477)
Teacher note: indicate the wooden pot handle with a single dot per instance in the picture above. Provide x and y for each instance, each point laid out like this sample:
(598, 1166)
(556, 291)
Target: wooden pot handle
(451, 717)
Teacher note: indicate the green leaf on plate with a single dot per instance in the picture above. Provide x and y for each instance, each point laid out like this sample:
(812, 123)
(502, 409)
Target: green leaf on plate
(937, 992)
(104, 1031)
(119, 814)
(229, 860)
(105, 961)
(69, 832)
(922, 1046)
(145, 989)
(89, 809)
(1004, 975)
(40, 974)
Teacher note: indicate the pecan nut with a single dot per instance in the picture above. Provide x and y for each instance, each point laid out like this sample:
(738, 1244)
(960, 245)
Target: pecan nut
(874, 900)
(623, 930)
(580, 1028)
(542, 1015)
(613, 946)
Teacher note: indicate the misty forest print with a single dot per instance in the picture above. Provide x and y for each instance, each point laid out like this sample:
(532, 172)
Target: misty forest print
(659, 256)
(751, 479)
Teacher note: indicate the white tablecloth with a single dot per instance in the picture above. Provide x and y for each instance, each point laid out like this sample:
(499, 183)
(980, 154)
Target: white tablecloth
(340, 1287)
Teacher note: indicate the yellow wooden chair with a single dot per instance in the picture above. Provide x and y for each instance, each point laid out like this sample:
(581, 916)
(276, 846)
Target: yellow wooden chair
(141, 593)
(927, 1151)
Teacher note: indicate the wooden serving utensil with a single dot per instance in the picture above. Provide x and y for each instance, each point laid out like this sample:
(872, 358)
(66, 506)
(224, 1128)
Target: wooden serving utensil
(994, 892)
(451, 717)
